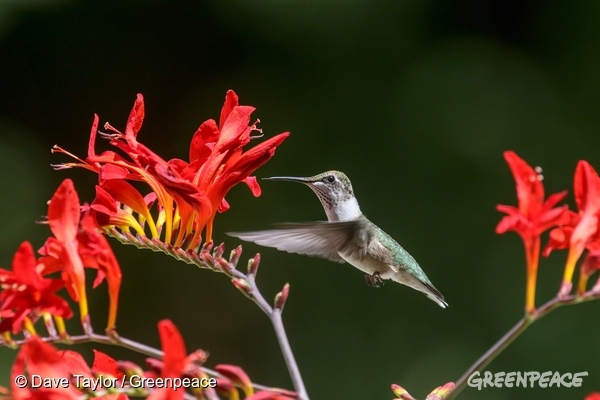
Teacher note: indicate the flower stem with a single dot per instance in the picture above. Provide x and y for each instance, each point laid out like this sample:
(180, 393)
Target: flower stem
(288, 355)
(200, 260)
(140, 348)
(514, 333)
(277, 322)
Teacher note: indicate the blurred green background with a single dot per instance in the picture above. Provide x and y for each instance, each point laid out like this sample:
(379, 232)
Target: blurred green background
(414, 100)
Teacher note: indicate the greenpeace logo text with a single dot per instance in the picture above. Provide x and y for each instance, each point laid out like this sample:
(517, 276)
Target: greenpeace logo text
(546, 379)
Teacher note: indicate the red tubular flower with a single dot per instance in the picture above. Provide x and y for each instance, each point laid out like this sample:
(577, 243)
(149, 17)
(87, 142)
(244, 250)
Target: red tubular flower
(581, 230)
(37, 358)
(590, 265)
(531, 218)
(215, 172)
(63, 219)
(593, 396)
(26, 293)
(56, 367)
(237, 377)
(95, 252)
(188, 194)
(76, 244)
(174, 360)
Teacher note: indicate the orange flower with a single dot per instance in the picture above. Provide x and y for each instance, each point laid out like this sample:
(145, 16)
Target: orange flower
(188, 193)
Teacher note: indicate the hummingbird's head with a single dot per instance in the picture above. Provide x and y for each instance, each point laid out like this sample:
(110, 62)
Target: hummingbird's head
(334, 190)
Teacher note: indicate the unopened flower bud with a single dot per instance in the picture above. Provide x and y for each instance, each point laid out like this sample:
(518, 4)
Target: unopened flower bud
(224, 264)
(207, 247)
(441, 392)
(129, 368)
(219, 250)
(401, 393)
(234, 256)
(253, 264)
(242, 285)
(281, 297)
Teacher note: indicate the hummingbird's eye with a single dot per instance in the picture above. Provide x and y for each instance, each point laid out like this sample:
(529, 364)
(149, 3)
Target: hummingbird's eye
(329, 179)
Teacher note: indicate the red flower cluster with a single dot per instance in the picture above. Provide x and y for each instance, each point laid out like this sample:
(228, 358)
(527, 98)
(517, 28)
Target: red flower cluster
(535, 215)
(28, 292)
(188, 193)
(67, 376)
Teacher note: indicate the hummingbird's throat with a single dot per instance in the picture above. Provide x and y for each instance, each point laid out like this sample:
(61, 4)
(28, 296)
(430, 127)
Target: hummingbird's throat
(345, 210)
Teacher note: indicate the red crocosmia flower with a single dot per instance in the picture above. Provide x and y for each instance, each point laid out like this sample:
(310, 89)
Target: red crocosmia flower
(590, 265)
(26, 293)
(76, 244)
(44, 361)
(63, 218)
(95, 252)
(593, 396)
(106, 365)
(107, 212)
(531, 218)
(581, 230)
(237, 376)
(175, 363)
(75, 362)
(174, 360)
(188, 194)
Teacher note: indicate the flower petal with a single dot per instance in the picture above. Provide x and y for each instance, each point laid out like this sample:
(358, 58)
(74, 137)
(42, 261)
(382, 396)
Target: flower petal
(587, 188)
(204, 140)
(63, 212)
(173, 347)
(253, 185)
(235, 131)
(530, 191)
(105, 364)
(135, 120)
(231, 101)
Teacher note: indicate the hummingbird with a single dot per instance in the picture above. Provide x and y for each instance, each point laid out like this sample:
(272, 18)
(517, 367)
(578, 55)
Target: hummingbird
(346, 236)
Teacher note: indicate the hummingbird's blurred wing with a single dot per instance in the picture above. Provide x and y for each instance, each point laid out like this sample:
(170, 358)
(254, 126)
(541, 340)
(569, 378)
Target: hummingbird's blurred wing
(323, 239)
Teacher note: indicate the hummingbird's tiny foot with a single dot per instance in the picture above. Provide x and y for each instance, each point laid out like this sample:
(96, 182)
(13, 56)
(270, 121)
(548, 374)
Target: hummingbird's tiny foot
(374, 280)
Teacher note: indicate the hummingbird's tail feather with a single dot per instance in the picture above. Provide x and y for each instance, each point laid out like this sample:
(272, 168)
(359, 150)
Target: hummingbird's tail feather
(423, 286)
(435, 295)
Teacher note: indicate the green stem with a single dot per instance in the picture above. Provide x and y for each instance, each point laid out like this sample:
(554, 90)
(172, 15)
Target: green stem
(514, 333)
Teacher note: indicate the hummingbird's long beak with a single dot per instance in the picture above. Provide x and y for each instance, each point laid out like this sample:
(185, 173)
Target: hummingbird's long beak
(288, 178)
